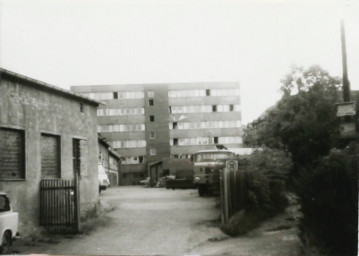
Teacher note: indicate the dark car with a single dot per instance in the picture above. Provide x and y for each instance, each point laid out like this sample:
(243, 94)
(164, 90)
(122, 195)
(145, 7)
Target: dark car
(180, 183)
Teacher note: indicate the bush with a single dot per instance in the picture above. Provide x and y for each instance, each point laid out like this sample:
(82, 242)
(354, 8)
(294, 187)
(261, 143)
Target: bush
(269, 168)
(265, 175)
(329, 201)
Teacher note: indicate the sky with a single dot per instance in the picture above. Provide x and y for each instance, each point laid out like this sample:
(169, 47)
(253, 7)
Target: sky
(91, 42)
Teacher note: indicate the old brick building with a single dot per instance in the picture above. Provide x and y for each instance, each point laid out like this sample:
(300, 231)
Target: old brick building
(41, 128)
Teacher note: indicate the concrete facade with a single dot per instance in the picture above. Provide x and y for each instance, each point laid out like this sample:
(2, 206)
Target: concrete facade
(37, 109)
(162, 121)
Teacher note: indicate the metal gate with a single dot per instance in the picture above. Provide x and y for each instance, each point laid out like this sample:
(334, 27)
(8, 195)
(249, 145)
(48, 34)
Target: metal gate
(59, 205)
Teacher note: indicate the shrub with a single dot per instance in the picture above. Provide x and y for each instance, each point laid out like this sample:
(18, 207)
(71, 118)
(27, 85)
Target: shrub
(265, 175)
(329, 201)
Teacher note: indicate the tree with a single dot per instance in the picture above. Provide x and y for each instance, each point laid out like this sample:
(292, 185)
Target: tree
(303, 122)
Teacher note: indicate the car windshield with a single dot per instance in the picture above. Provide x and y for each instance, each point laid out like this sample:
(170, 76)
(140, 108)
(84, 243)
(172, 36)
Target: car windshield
(210, 156)
(4, 203)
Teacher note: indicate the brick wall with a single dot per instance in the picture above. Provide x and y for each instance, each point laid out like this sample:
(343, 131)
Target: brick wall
(27, 107)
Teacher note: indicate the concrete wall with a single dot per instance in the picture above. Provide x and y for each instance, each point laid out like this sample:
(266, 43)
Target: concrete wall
(36, 110)
(131, 174)
(160, 125)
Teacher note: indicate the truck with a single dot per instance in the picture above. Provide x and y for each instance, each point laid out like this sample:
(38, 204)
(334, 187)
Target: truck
(207, 166)
(9, 221)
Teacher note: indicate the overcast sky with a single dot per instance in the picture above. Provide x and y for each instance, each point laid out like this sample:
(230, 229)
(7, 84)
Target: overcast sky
(92, 42)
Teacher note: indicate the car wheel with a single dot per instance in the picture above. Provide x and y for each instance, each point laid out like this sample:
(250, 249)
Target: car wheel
(6, 242)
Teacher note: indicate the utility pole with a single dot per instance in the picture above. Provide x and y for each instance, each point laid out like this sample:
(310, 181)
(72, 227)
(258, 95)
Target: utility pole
(346, 83)
(346, 110)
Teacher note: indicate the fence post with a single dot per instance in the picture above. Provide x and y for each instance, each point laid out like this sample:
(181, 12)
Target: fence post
(226, 194)
(221, 191)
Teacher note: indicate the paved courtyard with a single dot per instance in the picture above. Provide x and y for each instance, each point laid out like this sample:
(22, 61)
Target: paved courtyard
(156, 221)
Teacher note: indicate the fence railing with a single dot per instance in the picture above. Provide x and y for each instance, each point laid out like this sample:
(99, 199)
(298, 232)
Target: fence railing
(58, 205)
(234, 186)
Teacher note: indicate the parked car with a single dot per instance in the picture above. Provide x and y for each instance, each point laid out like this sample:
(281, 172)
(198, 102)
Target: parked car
(103, 180)
(145, 182)
(180, 183)
(9, 222)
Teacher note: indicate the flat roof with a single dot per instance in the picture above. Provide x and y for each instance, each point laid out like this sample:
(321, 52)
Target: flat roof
(47, 87)
(147, 86)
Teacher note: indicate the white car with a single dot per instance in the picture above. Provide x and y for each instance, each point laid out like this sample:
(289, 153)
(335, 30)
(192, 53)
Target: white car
(9, 222)
(103, 179)
(145, 182)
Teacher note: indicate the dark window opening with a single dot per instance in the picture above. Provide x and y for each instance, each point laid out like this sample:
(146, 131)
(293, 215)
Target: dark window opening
(231, 107)
(152, 118)
(208, 92)
(76, 155)
(170, 109)
(150, 102)
(115, 95)
(175, 156)
(12, 154)
(175, 125)
(214, 108)
(140, 159)
(81, 107)
(175, 142)
(215, 140)
(50, 156)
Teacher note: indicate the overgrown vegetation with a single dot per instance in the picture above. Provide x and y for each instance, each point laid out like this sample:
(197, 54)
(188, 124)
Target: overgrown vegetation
(329, 202)
(304, 125)
(266, 173)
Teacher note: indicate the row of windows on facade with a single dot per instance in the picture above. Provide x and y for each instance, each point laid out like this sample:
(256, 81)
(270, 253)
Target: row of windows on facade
(171, 94)
(172, 126)
(205, 141)
(142, 159)
(12, 157)
(172, 110)
(179, 142)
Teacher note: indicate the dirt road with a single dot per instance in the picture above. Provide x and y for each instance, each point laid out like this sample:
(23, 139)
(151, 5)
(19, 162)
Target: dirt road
(153, 221)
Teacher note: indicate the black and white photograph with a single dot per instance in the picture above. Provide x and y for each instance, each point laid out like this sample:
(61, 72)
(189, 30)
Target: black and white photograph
(179, 127)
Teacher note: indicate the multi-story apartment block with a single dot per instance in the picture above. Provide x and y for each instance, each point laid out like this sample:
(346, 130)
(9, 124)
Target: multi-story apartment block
(146, 123)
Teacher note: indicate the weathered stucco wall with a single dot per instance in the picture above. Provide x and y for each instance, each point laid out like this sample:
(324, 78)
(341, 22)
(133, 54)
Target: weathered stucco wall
(35, 110)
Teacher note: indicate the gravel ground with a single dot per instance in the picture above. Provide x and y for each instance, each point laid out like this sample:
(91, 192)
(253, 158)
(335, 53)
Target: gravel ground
(156, 221)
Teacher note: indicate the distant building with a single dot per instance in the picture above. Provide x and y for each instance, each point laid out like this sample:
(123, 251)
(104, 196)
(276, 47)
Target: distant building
(146, 123)
(46, 133)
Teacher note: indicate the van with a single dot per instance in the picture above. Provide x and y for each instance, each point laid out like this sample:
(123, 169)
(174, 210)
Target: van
(103, 179)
